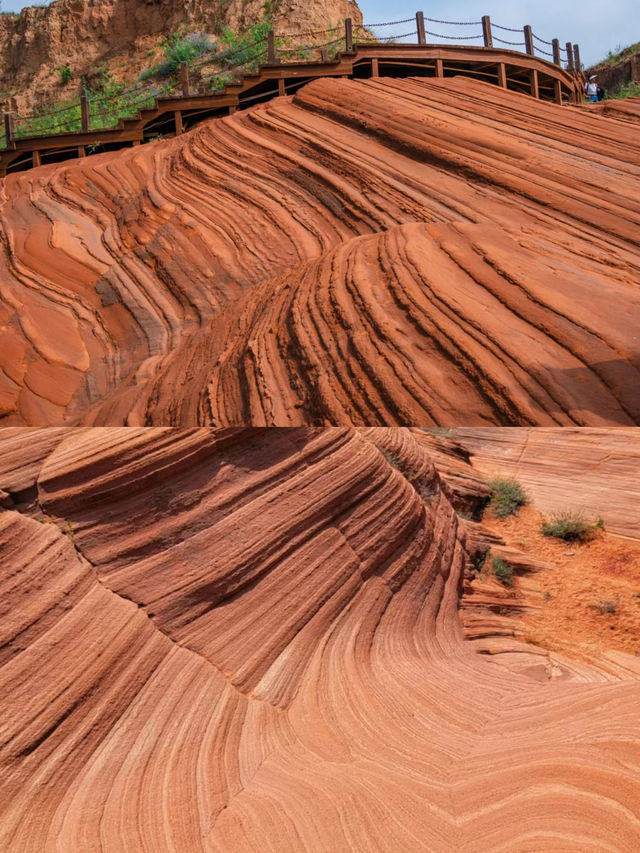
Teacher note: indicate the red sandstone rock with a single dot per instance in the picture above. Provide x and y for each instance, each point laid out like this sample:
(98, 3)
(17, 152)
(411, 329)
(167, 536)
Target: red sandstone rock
(250, 640)
(368, 252)
(592, 471)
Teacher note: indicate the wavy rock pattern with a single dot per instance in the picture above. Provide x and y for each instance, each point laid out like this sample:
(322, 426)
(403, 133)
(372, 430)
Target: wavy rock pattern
(250, 640)
(375, 252)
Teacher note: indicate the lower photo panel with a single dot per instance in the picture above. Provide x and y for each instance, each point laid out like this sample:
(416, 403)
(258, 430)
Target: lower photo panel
(315, 639)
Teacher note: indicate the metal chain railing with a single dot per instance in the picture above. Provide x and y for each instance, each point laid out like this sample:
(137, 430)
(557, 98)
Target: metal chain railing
(513, 43)
(453, 38)
(454, 23)
(507, 29)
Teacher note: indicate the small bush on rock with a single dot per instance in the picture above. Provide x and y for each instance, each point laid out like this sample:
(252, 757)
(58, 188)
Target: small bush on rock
(507, 496)
(502, 570)
(571, 527)
(65, 73)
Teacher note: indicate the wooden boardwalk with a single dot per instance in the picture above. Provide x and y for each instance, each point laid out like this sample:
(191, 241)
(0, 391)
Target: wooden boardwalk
(510, 69)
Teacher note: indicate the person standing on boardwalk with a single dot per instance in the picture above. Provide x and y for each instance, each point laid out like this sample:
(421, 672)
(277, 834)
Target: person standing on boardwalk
(591, 89)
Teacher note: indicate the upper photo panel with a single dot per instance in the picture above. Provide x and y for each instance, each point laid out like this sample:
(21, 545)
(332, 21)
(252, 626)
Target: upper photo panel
(311, 214)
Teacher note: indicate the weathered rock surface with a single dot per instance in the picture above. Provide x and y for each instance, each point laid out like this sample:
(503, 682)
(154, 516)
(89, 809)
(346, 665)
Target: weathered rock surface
(367, 252)
(87, 34)
(592, 471)
(250, 640)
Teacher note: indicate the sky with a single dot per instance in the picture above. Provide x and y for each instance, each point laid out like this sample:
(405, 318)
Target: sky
(596, 26)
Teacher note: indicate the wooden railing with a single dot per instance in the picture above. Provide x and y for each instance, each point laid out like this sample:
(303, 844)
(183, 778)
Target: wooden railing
(197, 88)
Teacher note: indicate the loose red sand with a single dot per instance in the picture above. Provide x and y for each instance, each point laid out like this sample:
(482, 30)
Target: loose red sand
(564, 598)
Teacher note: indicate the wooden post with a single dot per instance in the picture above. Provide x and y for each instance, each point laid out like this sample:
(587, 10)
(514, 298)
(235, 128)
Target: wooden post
(81, 151)
(184, 78)
(324, 54)
(528, 40)
(272, 57)
(85, 112)
(281, 87)
(348, 34)
(36, 158)
(558, 90)
(569, 48)
(178, 120)
(486, 31)
(502, 75)
(10, 129)
(439, 68)
(556, 51)
(576, 57)
(422, 35)
(535, 89)
(375, 69)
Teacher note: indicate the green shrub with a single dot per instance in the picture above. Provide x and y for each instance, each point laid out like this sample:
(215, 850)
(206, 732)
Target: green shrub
(502, 570)
(507, 496)
(571, 527)
(65, 73)
(183, 48)
(628, 90)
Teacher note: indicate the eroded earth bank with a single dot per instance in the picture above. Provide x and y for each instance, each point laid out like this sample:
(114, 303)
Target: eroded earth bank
(283, 640)
(375, 252)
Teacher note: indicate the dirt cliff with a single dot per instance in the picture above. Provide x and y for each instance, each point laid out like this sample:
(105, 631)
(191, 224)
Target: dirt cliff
(116, 34)
(249, 640)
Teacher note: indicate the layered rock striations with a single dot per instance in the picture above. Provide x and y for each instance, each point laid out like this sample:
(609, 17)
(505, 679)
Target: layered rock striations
(367, 252)
(250, 640)
(589, 471)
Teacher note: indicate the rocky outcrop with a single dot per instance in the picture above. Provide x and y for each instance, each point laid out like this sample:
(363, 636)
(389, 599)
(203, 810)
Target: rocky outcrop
(589, 471)
(249, 640)
(619, 70)
(368, 252)
(86, 34)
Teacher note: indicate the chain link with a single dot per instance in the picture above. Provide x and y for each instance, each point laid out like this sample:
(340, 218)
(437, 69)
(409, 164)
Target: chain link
(507, 29)
(455, 23)
(542, 41)
(403, 36)
(453, 38)
(385, 24)
(514, 43)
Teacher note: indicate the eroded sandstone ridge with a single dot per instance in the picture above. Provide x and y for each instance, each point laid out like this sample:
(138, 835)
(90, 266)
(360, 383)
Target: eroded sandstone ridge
(250, 640)
(367, 252)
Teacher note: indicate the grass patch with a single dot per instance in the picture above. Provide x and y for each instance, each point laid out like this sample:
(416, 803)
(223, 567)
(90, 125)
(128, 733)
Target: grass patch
(502, 570)
(628, 90)
(571, 527)
(66, 74)
(181, 47)
(507, 496)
